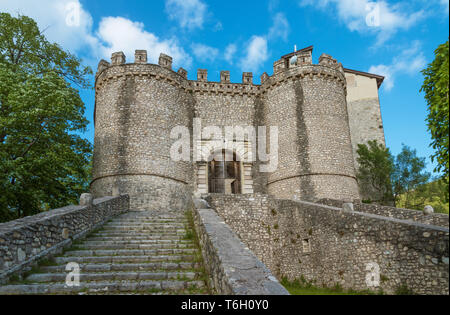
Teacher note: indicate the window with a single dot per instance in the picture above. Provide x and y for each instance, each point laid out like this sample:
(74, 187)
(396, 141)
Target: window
(224, 173)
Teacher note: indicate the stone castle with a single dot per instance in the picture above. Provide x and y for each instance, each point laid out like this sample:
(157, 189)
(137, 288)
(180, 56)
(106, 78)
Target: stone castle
(301, 221)
(322, 111)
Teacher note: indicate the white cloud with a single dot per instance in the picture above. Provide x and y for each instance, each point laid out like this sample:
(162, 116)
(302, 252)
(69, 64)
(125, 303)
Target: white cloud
(230, 51)
(411, 61)
(64, 21)
(120, 34)
(74, 32)
(205, 53)
(374, 17)
(189, 14)
(256, 54)
(280, 27)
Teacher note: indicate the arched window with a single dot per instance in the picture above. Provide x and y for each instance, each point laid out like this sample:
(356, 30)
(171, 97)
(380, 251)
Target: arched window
(224, 172)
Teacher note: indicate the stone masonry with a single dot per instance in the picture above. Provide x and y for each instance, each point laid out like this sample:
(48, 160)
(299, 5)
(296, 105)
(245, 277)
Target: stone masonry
(329, 246)
(138, 104)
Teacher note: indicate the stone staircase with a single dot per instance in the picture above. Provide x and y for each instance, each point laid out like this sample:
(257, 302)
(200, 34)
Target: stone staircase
(136, 253)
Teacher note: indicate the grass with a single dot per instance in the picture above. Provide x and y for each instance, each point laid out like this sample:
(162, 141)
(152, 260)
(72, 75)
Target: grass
(192, 235)
(304, 287)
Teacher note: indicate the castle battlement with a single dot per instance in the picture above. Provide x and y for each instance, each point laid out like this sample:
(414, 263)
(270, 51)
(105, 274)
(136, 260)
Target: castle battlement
(296, 64)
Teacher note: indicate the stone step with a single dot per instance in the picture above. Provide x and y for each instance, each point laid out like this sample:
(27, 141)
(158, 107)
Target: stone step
(124, 259)
(136, 233)
(126, 267)
(138, 242)
(144, 229)
(105, 287)
(135, 253)
(117, 276)
(130, 252)
(112, 245)
(149, 224)
(138, 238)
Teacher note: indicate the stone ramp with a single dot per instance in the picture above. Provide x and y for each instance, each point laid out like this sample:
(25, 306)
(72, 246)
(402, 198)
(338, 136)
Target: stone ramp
(136, 253)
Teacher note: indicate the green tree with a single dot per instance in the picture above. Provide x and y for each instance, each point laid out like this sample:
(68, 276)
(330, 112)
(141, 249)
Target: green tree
(409, 177)
(434, 193)
(44, 163)
(374, 175)
(436, 91)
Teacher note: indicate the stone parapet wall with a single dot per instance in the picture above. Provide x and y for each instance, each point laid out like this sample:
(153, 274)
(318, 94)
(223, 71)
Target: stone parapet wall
(234, 269)
(25, 241)
(438, 219)
(330, 246)
(146, 191)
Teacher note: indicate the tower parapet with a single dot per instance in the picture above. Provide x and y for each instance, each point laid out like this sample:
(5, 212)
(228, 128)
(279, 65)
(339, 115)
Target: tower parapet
(183, 72)
(247, 78)
(118, 58)
(225, 77)
(264, 77)
(102, 65)
(140, 56)
(165, 61)
(327, 60)
(202, 75)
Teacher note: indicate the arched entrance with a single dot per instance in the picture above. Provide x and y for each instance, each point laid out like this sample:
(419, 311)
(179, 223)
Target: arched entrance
(224, 173)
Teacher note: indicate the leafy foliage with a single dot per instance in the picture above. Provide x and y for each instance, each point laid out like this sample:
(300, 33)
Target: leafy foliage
(436, 88)
(409, 176)
(44, 164)
(376, 164)
(434, 193)
(401, 180)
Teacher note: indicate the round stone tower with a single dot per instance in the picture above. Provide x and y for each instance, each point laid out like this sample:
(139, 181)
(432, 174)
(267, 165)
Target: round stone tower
(137, 105)
(308, 104)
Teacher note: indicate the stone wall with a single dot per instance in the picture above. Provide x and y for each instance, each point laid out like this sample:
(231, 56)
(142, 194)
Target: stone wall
(364, 112)
(308, 104)
(137, 106)
(438, 219)
(25, 241)
(330, 246)
(234, 269)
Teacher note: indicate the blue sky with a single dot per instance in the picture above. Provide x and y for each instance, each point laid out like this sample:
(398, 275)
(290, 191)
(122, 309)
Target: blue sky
(396, 39)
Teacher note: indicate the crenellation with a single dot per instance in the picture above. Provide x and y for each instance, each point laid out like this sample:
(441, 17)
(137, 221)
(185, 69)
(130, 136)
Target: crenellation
(327, 60)
(247, 78)
(225, 77)
(264, 77)
(140, 56)
(118, 58)
(165, 61)
(202, 75)
(183, 73)
(102, 65)
(304, 58)
(279, 66)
